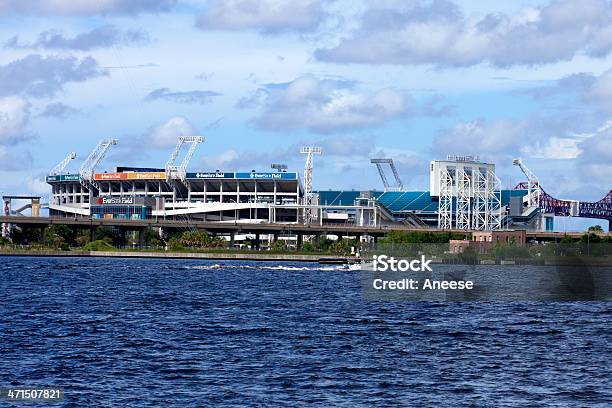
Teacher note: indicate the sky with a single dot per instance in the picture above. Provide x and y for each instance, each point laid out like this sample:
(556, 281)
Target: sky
(410, 80)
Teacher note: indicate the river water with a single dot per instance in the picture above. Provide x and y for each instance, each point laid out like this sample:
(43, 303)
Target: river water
(187, 333)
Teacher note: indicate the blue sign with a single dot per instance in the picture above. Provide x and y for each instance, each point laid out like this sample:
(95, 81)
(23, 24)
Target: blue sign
(267, 176)
(210, 175)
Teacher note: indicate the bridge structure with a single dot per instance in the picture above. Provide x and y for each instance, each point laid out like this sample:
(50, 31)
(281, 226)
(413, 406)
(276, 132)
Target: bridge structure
(298, 230)
(601, 209)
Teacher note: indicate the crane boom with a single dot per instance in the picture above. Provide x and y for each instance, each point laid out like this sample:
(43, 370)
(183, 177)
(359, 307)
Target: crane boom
(533, 184)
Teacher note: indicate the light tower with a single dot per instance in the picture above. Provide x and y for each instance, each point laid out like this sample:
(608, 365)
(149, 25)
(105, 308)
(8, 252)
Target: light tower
(62, 165)
(174, 171)
(309, 151)
(398, 182)
(86, 171)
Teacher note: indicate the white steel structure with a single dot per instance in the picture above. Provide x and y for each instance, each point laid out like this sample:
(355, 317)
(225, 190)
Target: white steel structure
(62, 165)
(464, 195)
(174, 171)
(445, 211)
(86, 171)
(469, 194)
(309, 196)
(398, 182)
(533, 184)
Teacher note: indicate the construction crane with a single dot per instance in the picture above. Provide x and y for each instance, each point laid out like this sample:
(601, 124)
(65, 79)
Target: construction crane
(399, 186)
(309, 196)
(62, 165)
(174, 171)
(533, 184)
(86, 171)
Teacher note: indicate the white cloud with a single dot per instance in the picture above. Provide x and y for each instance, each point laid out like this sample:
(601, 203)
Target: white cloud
(42, 76)
(438, 33)
(84, 7)
(37, 185)
(166, 134)
(324, 105)
(265, 15)
(14, 161)
(493, 139)
(14, 118)
(600, 92)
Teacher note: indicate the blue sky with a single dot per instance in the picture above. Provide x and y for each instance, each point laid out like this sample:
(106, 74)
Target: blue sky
(412, 80)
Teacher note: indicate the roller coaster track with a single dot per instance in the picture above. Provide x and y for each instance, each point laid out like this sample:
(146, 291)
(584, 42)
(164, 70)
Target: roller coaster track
(601, 209)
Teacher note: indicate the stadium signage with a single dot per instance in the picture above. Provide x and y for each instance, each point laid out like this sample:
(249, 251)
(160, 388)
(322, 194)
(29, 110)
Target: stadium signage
(209, 175)
(244, 175)
(267, 176)
(115, 200)
(63, 177)
(133, 175)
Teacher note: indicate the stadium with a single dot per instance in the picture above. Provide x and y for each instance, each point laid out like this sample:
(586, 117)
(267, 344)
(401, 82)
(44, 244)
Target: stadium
(464, 194)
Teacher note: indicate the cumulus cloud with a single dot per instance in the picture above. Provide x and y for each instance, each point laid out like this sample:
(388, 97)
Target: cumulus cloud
(201, 97)
(600, 92)
(582, 88)
(14, 161)
(268, 16)
(166, 134)
(326, 105)
(437, 32)
(14, 118)
(498, 138)
(595, 158)
(40, 76)
(58, 110)
(84, 7)
(550, 137)
(101, 37)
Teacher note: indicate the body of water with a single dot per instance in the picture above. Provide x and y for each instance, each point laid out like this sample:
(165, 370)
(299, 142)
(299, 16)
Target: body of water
(190, 333)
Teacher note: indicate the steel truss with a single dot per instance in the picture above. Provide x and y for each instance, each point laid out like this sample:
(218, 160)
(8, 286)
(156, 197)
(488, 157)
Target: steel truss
(86, 171)
(445, 210)
(174, 171)
(309, 196)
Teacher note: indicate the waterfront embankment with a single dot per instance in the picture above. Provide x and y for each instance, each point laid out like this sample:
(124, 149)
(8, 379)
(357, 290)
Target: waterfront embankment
(247, 256)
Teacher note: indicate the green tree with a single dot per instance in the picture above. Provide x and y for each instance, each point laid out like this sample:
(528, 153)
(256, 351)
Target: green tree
(590, 238)
(595, 228)
(279, 246)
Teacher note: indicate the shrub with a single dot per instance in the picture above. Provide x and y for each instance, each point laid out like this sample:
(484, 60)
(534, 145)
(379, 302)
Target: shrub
(99, 245)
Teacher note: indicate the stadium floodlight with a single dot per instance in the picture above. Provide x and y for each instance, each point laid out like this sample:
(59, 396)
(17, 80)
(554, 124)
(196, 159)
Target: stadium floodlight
(62, 165)
(86, 170)
(399, 186)
(279, 167)
(173, 170)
